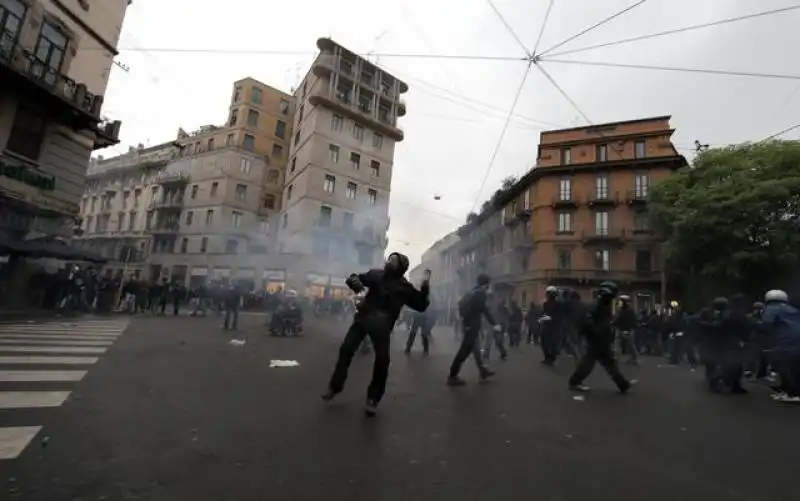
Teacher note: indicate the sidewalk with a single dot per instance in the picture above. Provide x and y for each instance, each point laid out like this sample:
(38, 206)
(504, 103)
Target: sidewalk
(10, 315)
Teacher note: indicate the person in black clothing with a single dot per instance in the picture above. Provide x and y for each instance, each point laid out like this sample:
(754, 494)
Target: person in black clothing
(232, 298)
(472, 308)
(719, 343)
(532, 323)
(682, 338)
(596, 325)
(551, 323)
(625, 322)
(387, 292)
(514, 324)
(423, 321)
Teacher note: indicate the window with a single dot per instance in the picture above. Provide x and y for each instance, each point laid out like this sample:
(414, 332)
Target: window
(252, 119)
(644, 260)
(601, 153)
(269, 201)
(566, 156)
(294, 165)
(236, 219)
(372, 197)
(297, 138)
(120, 221)
(209, 217)
(352, 191)
(601, 223)
(280, 129)
(336, 122)
(277, 150)
(234, 117)
(564, 259)
(321, 246)
(641, 185)
(249, 142)
(330, 184)
(184, 245)
(214, 187)
(364, 256)
(375, 166)
(640, 221)
(564, 222)
(355, 161)
(93, 204)
(132, 221)
(289, 192)
(640, 149)
(27, 133)
(137, 195)
(50, 50)
(255, 95)
(203, 244)
(348, 220)
(241, 192)
(273, 176)
(210, 144)
(602, 260)
(377, 140)
(263, 226)
(565, 189)
(244, 166)
(11, 15)
(237, 94)
(189, 217)
(526, 200)
(231, 246)
(325, 215)
(285, 221)
(229, 140)
(601, 187)
(333, 153)
(283, 107)
(300, 113)
(358, 131)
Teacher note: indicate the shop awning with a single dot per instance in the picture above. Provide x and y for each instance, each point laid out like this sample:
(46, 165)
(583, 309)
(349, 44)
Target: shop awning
(49, 247)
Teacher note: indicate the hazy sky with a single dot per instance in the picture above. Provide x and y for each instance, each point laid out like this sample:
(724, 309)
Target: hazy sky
(182, 59)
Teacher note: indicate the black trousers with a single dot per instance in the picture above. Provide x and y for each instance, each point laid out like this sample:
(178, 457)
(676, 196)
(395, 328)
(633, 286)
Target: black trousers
(379, 331)
(601, 353)
(412, 336)
(550, 342)
(469, 346)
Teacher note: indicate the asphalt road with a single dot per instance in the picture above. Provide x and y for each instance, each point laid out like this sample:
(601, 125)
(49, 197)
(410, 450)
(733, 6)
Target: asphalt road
(173, 411)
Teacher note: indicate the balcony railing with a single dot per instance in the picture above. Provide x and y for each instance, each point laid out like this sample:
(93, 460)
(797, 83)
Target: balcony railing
(603, 197)
(604, 235)
(165, 228)
(638, 196)
(598, 275)
(167, 203)
(342, 102)
(564, 200)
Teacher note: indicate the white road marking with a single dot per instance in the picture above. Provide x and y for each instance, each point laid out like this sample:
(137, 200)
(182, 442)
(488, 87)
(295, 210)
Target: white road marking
(56, 342)
(31, 399)
(53, 349)
(64, 329)
(14, 439)
(41, 376)
(56, 337)
(39, 360)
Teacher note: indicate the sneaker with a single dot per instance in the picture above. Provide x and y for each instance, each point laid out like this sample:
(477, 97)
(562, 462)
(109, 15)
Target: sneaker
(371, 407)
(486, 374)
(778, 396)
(455, 381)
(787, 399)
(579, 387)
(328, 396)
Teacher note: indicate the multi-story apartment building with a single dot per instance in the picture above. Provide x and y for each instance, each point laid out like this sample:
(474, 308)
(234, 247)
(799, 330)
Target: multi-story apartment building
(55, 59)
(336, 197)
(579, 217)
(439, 259)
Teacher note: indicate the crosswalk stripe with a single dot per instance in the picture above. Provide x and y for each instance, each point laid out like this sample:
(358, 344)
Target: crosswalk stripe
(61, 329)
(45, 360)
(54, 337)
(14, 439)
(52, 349)
(56, 342)
(41, 376)
(31, 399)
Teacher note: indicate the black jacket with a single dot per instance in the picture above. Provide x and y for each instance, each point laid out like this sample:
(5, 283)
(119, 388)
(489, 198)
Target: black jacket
(388, 293)
(476, 308)
(596, 325)
(626, 319)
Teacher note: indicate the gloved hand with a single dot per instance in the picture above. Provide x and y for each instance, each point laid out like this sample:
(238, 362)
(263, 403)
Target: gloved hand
(497, 328)
(354, 283)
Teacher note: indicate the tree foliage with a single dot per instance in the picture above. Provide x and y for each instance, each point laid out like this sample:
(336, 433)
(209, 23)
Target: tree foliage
(733, 217)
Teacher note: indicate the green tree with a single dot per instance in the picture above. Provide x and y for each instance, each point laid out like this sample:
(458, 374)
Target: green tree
(731, 221)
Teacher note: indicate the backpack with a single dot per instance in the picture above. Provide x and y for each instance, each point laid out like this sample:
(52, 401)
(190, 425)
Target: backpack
(464, 305)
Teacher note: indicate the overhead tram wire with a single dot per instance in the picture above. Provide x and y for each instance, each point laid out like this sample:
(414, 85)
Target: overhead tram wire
(672, 31)
(528, 54)
(676, 69)
(778, 134)
(502, 134)
(544, 25)
(593, 27)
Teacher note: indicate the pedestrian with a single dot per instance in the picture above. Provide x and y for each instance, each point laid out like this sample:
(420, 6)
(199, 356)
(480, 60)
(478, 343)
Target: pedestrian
(471, 309)
(387, 292)
(553, 314)
(597, 327)
(625, 322)
(232, 299)
(781, 322)
(514, 324)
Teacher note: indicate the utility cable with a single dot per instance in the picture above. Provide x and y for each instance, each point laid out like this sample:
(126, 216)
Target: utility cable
(684, 70)
(778, 134)
(510, 29)
(673, 31)
(502, 134)
(594, 26)
(544, 25)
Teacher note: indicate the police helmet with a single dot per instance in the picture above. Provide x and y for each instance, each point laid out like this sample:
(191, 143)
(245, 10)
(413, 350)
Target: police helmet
(608, 290)
(776, 295)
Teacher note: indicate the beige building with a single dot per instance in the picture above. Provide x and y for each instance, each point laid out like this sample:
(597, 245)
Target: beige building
(55, 60)
(335, 202)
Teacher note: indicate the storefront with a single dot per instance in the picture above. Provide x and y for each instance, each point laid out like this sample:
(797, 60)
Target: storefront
(245, 279)
(338, 289)
(198, 277)
(221, 274)
(316, 285)
(273, 280)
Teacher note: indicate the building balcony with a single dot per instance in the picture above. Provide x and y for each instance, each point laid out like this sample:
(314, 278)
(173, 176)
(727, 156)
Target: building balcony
(169, 228)
(603, 199)
(401, 107)
(173, 179)
(168, 203)
(65, 100)
(564, 201)
(638, 197)
(571, 277)
(604, 237)
(367, 114)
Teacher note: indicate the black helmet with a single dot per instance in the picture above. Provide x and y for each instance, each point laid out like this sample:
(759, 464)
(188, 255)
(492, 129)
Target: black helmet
(719, 303)
(607, 290)
(483, 280)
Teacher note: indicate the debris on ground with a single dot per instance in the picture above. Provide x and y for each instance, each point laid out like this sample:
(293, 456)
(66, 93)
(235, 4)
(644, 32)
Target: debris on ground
(283, 363)
(238, 342)
(579, 398)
